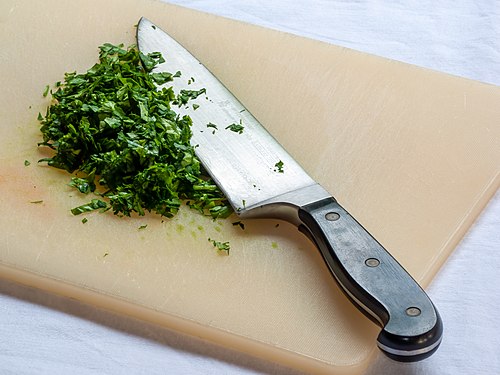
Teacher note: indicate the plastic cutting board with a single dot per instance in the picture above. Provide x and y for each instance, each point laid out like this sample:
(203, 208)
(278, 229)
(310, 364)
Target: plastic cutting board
(413, 154)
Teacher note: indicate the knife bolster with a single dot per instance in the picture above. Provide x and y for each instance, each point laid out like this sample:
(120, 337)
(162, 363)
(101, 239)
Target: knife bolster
(286, 206)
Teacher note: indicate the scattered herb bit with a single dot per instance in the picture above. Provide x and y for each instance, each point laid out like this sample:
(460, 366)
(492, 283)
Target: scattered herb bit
(220, 211)
(105, 255)
(46, 91)
(237, 128)
(240, 224)
(243, 110)
(185, 95)
(161, 78)
(274, 245)
(143, 227)
(154, 27)
(279, 167)
(196, 106)
(84, 220)
(26, 163)
(94, 204)
(190, 80)
(37, 202)
(221, 246)
(213, 126)
(84, 185)
(177, 74)
(118, 131)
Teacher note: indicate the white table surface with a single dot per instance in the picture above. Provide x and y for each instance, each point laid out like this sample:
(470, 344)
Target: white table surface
(44, 334)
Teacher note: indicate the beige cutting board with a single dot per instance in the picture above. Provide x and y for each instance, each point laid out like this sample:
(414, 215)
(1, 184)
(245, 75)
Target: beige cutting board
(412, 153)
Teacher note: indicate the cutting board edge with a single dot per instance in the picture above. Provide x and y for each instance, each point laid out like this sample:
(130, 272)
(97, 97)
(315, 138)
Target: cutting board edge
(461, 230)
(226, 339)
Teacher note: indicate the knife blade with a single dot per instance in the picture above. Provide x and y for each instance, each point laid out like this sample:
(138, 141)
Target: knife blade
(261, 179)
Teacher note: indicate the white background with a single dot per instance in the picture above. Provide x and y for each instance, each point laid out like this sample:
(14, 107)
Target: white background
(45, 334)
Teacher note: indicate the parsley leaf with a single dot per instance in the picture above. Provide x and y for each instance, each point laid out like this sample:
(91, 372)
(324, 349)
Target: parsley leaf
(237, 128)
(221, 246)
(279, 167)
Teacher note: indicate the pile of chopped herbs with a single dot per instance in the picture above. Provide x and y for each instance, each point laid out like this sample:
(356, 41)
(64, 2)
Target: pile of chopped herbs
(118, 133)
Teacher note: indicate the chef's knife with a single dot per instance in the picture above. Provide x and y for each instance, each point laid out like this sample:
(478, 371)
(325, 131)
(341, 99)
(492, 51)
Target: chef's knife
(260, 179)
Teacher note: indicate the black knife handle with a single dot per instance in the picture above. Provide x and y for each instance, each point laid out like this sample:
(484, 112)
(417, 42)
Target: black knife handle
(377, 284)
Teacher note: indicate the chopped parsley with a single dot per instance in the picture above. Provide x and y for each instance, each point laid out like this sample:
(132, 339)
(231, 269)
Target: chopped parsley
(279, 167)
(185, 95)
(223, 247)
(237, 128)
(118, 132)
(213, 126)
(46, 91)
(94, 204)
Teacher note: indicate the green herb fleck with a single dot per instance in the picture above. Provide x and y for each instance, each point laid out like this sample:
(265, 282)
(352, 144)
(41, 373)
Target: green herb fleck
(118, 131)
(237, 128)
(185, 95)
(26, 163)
(46, 91)
(84, 185)
(143, 227)
(37, 202)
(222, 247)
(196, 106)
(84, 220)
(154, 27)
(213, 126)
(274, 245)
(279, 167)
(94, 204)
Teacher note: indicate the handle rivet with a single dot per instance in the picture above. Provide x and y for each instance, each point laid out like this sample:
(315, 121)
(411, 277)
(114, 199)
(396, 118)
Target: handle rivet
(413, 311)
(372, 262)
(332, 216)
